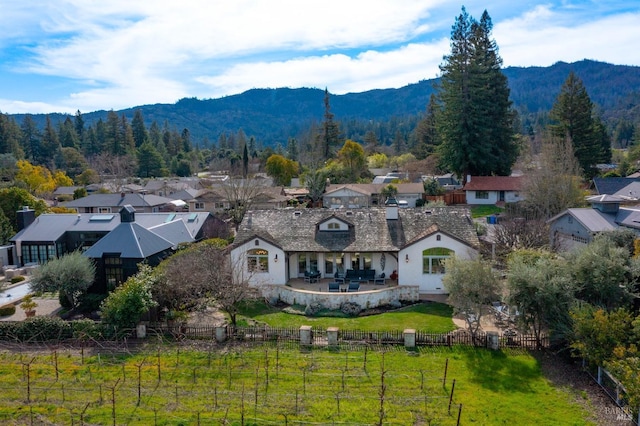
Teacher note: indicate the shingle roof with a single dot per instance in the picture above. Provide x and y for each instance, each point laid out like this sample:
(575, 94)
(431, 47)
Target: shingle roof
(592, 219)
(296, 230)
(494, 183)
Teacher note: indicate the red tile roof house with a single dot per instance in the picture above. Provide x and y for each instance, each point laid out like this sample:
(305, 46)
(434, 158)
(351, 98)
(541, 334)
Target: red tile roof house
(494, 189)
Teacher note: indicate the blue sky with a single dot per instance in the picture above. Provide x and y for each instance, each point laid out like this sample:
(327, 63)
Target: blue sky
(68, 55)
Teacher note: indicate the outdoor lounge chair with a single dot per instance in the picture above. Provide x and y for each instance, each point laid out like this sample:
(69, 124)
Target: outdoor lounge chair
(353, 286)
(381, 280)
(334, 287)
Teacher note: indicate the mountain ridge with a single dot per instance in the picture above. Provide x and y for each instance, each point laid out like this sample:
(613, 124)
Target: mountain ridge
(275, 115)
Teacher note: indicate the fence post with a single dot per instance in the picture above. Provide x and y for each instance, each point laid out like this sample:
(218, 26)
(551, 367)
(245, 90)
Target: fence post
(141, 331)
(599, 380)
(221, 334)
(332, 336)
(493, 340)
(305, 335)
(409, 338)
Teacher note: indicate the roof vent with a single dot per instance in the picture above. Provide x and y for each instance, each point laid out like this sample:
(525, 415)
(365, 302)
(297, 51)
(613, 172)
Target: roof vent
(349, 213)
(427, 212)
(297, 213)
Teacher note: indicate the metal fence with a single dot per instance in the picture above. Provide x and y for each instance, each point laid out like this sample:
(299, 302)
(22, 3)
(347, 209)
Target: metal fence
(348, 336)
(614, 389)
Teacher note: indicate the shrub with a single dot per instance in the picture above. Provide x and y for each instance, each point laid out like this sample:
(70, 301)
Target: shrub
(64, 300)
(350, 308)
(17, 279)
(36, 329)
(8, 310)
(90, 302)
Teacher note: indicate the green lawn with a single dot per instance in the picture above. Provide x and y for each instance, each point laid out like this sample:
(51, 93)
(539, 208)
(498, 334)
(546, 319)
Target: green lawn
(430, 316)
(485, 210)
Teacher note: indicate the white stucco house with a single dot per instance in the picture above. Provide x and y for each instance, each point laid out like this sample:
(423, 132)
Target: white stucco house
(494, 189)
(274, 246)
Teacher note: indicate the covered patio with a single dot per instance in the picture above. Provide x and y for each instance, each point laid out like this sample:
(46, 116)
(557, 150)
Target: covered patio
(322, 285)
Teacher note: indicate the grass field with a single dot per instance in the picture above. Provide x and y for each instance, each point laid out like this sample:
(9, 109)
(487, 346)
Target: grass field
(431, 317)
(485, 210)
(275, 385)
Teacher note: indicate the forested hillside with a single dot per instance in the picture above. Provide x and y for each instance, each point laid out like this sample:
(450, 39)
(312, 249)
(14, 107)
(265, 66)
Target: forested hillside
(273, 116)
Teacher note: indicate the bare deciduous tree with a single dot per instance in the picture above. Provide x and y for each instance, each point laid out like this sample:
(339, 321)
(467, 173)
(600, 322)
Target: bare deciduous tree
(554, 184)
(240, 193)
(200, 274)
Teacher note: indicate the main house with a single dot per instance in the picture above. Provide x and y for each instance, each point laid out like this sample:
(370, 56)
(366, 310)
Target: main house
(275, 246)
(113, 203)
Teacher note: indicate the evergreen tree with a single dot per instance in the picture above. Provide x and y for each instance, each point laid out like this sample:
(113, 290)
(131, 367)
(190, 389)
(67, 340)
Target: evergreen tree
(138, 128)
(245, 161)
(150, 162)
(50, 147)
(426, 133)
(572, 117)
(68, 136)
(476, 119)
(113, 142)
(78, 122)
(292, 149)
(126, 135)
(31, 138)
(9, 136)
(330, 134)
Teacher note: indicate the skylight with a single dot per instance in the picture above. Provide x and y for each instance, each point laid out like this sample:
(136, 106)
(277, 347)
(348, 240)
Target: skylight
(101, 217)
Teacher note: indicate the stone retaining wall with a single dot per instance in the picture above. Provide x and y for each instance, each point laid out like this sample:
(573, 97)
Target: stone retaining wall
(366, 299)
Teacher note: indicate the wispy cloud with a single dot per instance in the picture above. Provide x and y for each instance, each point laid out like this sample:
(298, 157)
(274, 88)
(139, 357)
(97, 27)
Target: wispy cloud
(120, 54)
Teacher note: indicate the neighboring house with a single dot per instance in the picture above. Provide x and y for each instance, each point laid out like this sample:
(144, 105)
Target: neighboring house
(101, 236)
(112, 203)
(625, 186)
(354, 196)
(167, 187)
(493, 189)
(209, 200)
(577, 227)
(216, 199)
(275, 246)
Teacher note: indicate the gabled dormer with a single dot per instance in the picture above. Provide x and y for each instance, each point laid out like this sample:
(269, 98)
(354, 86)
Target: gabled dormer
(333, 224)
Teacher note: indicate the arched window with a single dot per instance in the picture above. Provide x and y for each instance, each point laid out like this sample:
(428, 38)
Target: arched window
(258, 260)
(433, 260)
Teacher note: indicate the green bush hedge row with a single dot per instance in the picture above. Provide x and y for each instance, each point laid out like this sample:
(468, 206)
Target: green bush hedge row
(5, 311)
(17, 279)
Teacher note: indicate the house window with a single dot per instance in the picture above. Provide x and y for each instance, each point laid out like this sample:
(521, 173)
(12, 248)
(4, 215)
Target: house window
(333, 226)
(433, 260)
(482, 195)
(258, 260)
(104, 210)
(219, 205)
(113, 271)
(438, 237)
(199, 206)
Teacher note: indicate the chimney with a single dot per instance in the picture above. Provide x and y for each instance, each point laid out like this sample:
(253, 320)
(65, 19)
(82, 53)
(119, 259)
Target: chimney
(391, 205)
(25, 217)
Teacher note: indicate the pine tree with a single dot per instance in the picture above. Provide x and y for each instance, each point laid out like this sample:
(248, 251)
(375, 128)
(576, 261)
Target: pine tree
(572, 117)
(31, 138)
(476, 118)
(138, 128)
(330, 133)
(426, 134)
(150, 162)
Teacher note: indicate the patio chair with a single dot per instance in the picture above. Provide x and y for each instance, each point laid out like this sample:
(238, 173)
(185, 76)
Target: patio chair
(334, 287)
(380, 280)
(353, 286)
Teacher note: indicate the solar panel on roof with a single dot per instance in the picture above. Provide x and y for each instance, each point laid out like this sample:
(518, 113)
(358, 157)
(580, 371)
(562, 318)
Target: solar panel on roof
(101, 217)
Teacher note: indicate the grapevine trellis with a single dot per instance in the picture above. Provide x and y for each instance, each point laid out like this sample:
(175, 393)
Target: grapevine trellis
(267, 385)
